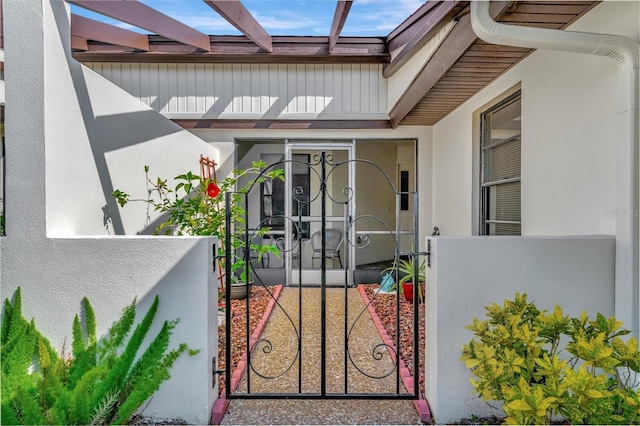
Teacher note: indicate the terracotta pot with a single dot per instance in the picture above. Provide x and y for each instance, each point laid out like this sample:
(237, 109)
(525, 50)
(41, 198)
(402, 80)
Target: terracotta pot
(407, 291)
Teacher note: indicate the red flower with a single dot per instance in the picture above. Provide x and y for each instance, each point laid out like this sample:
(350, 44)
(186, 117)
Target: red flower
(213, 190)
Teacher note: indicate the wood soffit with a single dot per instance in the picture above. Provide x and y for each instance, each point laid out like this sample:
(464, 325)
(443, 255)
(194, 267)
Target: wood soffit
(461, 66)
(481, 63)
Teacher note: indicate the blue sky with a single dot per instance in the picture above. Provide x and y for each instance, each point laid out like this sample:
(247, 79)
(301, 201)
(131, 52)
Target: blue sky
(284, 17)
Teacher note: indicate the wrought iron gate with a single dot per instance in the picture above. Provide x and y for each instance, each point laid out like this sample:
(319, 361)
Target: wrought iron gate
(265, 372)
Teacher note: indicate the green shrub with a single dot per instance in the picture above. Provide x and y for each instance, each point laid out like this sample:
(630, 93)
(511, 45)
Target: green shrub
(517, 357)
(98, 383)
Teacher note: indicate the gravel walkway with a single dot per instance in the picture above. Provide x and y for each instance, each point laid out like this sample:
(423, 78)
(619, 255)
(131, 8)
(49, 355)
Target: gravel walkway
(275, 357)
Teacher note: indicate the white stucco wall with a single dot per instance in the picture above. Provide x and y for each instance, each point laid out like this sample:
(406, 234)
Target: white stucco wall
(56, 273)
(100, 140)
(469, 273)
(63, 123)
(109, 151)
(568, 139)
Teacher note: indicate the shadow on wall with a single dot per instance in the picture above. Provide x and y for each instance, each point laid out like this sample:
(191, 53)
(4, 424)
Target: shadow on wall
(111, 132)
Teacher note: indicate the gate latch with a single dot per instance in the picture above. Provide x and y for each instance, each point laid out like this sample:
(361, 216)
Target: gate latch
(421, 253)
(426, 253)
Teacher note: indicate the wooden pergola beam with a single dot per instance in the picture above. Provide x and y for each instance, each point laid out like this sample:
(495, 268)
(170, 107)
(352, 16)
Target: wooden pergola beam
(140, 15)
(406, 30)
(94, 30)
(436, 19)
(339, 18)
(79, 43)
(457, 42)
(238, 16)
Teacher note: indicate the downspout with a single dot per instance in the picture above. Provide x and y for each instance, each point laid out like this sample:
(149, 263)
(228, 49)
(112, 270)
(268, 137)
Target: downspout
(625, 52)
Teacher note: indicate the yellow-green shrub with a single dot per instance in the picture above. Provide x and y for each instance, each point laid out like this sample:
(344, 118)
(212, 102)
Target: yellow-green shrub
(517, 357)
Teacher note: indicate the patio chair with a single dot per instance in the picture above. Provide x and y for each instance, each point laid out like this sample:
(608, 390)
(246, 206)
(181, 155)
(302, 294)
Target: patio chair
(295, 241)
(332, 249)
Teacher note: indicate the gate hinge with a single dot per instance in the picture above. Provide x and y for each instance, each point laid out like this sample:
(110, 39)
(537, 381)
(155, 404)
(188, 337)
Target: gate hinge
(215, 371)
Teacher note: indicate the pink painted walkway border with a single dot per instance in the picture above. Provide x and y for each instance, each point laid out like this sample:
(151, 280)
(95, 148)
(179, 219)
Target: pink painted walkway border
(221, 404)
(420, 404)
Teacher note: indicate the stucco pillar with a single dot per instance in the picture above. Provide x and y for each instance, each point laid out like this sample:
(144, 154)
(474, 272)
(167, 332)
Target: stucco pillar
(25, 69)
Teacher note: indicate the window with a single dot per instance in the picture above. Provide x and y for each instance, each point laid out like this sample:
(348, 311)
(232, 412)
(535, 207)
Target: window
(500, 141)
(272, 205)
(404, 189)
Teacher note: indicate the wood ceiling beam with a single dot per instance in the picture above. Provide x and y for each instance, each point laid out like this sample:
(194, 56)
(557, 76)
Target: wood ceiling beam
(78, 43)
(436, 19)
(339, 18)
(239, 49)
(140, 15)
(238, 16)
(452, 48)
(95, 30)
(281, 124)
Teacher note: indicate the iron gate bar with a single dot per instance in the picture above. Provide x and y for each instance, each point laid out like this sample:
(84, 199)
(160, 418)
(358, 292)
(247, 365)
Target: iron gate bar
(245, 255)
(299, 249)
(347, 234)
(416, 300)
(397, 257)
(323, 274)
(227, 292)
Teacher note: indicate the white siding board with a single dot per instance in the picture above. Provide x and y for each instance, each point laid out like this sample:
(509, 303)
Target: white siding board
(281, 92)
(182, 93)
(300, 90)
(201, 88)
(338, 107)
(245, 88)
(218, 88)
(270, 91)
(172, 87)
(144, 84)
(319, 95)
(125, 79)
(365, 88)
(263, 85)
(306, 95)
(227, 89)
(235, 82)
(134, 75)
(163, 88)
(191, 89)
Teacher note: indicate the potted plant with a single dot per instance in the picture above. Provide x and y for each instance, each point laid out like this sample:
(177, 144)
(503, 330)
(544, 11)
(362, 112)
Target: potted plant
(406, 267)
(196, 206)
